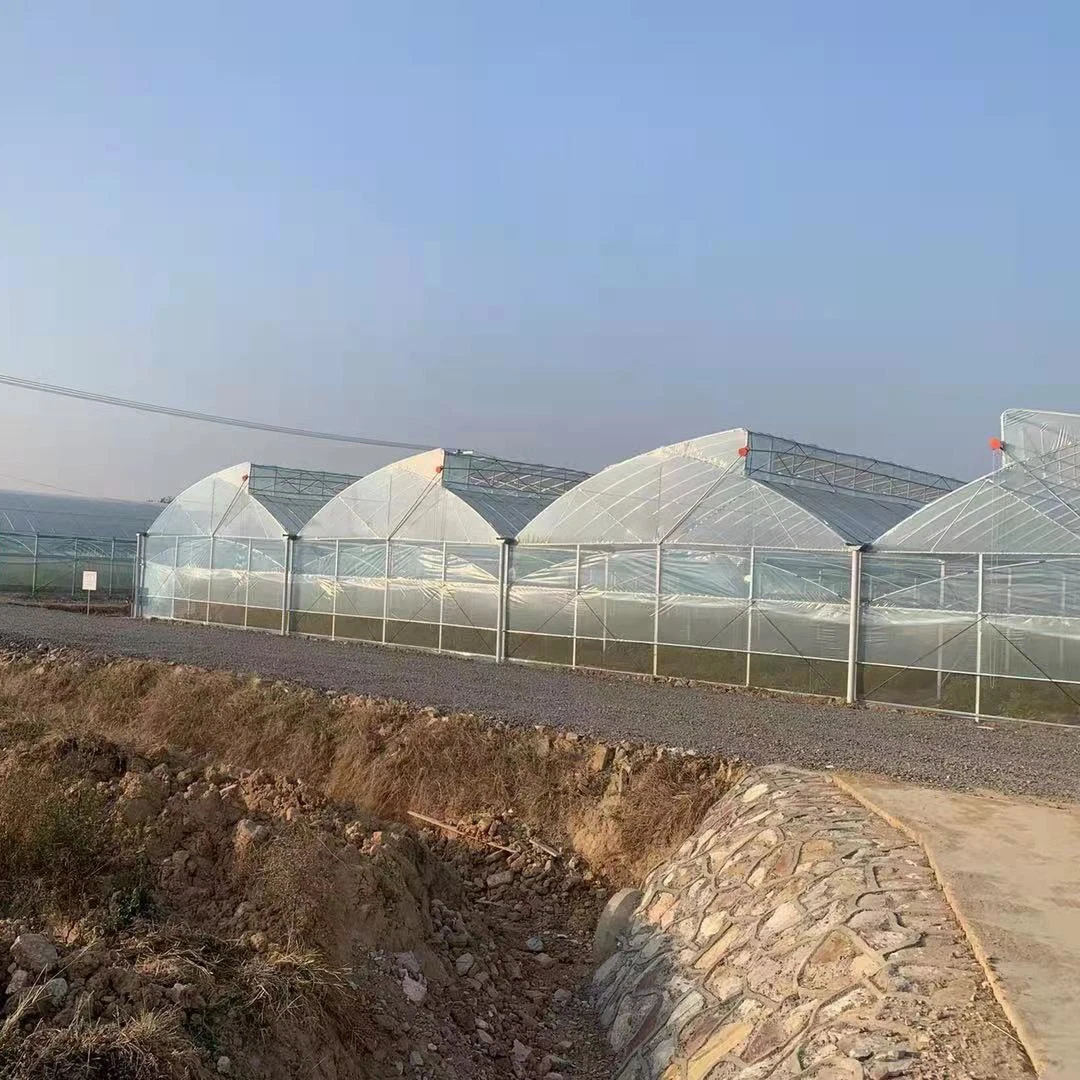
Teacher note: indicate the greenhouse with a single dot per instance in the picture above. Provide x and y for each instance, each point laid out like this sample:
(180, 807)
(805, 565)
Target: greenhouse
(725, 558)
(972, 604)
(47, 541)
(415, 553)
(218, 553)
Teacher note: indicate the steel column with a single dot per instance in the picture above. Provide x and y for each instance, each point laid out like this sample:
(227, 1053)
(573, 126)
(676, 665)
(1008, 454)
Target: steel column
(333, 593)
(112, 565)
(854, 611)
(74, 566)
(209, 578)
(750, 615)
(33, 575)
(286, 585)
(247, 584)
(656, 619)
(175, 559)
(577, 590)
(979, 641)
(442, 596)
(386, 591)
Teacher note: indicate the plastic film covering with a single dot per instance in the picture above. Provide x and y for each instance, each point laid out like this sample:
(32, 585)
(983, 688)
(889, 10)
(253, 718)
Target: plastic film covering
(989, 634)
(1031, 505)
(436, 596)
(737, 488)
(1033, 433)
(746, 616)
(50, 566)
(217, 553)
(438, 521)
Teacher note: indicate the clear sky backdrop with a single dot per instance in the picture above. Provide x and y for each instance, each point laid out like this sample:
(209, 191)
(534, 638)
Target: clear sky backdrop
(565, 232)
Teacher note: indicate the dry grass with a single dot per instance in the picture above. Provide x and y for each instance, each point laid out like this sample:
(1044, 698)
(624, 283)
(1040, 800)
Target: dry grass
(152, 1046)
(277, 985)
(55, 838)
(382, 756)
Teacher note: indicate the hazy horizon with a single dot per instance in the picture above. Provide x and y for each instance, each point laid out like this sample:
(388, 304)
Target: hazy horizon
(559, 235)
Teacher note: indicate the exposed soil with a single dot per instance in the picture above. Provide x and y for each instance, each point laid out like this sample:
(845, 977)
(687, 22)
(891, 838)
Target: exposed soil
(935, 750)
(363, 889)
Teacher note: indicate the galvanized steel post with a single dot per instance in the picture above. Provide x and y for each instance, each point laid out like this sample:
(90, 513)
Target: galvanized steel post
(656, 619)
(286, 584)
(577, 589)
(750, 615)
(855, 602)
(386, 590)
(979, 641)
(33, 575)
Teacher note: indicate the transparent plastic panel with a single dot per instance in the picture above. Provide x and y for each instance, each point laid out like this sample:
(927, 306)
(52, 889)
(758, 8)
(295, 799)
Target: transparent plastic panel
(641, 499)
(471, 605)
(414, 602)
(925, 639)
(1025, 507)
(197, 510)
(247, 517)
(809, 630)
(1033, 648)
(616, 616)
(416, 562)
(362, 560)
(360, 597)
(920, 582)
(705, 572)
(543, 567)
(703, 622)
(801, 576)
(478, 563)
(619, 570)
(313, 586)
(747, 512)
(541, 610)
(1032, 433)
(1018, 585)
(228, 580)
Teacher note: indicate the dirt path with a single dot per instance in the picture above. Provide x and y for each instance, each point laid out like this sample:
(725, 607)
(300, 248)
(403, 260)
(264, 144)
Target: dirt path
(936, 751)
(1012, 873)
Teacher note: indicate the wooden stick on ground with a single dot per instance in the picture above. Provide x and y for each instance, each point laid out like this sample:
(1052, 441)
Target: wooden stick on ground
(457, 832)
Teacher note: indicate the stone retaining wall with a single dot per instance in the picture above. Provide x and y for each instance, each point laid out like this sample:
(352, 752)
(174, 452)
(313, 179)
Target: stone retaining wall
(798, 935)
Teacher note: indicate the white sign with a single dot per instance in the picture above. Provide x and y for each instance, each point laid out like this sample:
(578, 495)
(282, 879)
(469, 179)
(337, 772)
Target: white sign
(89, 580)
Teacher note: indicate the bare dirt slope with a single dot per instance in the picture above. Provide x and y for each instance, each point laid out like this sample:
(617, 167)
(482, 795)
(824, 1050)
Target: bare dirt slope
(935, 750)
(202, 875)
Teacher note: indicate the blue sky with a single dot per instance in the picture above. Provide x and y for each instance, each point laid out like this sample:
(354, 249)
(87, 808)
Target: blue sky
(562, 232)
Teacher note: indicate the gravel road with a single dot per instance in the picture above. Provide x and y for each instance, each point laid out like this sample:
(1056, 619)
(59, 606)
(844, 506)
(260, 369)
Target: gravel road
(940, 751)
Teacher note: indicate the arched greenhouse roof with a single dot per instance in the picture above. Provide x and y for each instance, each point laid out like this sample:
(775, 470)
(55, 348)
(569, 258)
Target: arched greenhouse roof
(442, 495)
(32, 513)
(738, 488)
(249, 500)
(1029, 506)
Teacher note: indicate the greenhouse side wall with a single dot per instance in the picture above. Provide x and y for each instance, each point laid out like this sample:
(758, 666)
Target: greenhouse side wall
(741, 616)
(439, 596)
(220, 580)
(993, 635)
(52, 566)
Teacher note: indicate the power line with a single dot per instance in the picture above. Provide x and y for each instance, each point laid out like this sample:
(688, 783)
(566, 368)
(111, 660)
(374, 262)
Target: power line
(209, 418)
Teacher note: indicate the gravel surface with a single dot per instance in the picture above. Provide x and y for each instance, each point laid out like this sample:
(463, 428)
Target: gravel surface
(940, 751)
